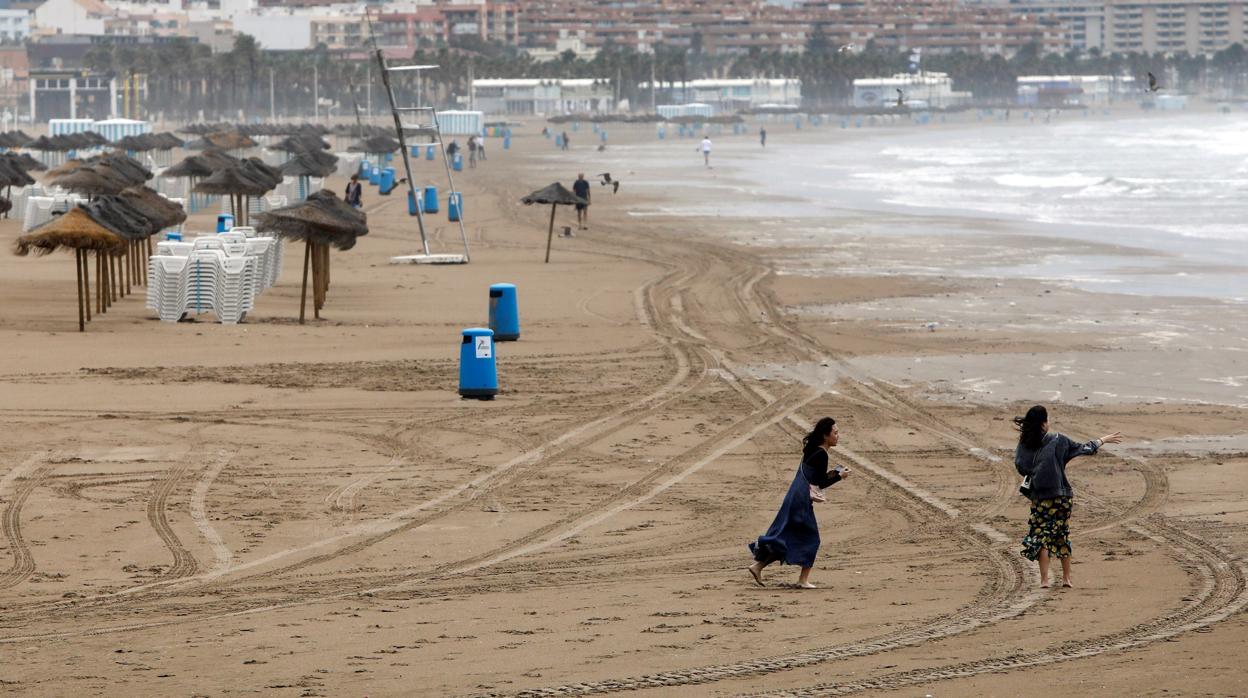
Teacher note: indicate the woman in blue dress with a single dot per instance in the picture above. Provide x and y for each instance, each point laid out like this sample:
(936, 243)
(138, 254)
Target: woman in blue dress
(793, 538)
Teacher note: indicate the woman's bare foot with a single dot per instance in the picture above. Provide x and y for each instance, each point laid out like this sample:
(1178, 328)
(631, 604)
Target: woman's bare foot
(1067, 584)
(757, 573)
(806, 585)
(1044, 584)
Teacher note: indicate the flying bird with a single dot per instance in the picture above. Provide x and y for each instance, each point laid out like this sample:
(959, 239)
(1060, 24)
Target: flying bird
(606, 179)
(901, 98)
(1152, 83)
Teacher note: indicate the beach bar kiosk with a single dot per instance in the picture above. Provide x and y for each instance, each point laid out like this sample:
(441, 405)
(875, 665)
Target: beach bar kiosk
(504, 313)
(478, 374)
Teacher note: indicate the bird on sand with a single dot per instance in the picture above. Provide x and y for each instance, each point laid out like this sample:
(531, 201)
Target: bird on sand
(1152, 83)
(606, 179)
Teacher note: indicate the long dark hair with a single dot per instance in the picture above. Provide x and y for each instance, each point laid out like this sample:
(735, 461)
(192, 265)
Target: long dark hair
(816, 436)
(1031, 427)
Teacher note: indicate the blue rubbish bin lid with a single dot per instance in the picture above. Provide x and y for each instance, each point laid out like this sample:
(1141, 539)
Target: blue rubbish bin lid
(500, 288)
(478, 332)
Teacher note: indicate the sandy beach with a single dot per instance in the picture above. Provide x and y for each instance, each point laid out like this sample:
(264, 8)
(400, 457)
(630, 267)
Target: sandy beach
(311, 510)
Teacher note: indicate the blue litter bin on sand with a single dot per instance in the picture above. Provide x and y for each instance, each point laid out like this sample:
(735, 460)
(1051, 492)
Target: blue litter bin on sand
(415, 152)
(507, 141)
(415, 205)
(504, 313)
(558, 141)
(365, 168)
(454, 206)
(457, 162)
(429, 152)
(374, 176)
(173, 237)
(225, 221)
(478, 374)
(386, 182)
(431, 199)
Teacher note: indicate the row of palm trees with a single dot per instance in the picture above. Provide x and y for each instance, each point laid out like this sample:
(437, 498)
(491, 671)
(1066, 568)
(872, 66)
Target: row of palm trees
(186, 81)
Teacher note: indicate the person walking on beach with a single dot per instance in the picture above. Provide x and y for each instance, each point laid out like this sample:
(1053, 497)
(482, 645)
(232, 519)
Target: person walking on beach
(472, 152)
(481, 148)
(1041, 458)
(706, 150)
(793, 538)
(762, 136)
(581, 188)
(563, 145)
(355, 193)
(452, 148)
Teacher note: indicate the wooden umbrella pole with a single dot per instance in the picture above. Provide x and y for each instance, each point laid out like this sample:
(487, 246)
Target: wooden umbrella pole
(303, 296)
(128, 261)
(86, 282)
(316, 281)
(99, 286)
(550, 234)
(82, 321)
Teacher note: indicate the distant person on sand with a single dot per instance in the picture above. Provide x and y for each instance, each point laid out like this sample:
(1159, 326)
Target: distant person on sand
(481, 148)
(706, 150)
(793, 538)
(451, 149)
(564, 142)
(762, 136)
(472, 151)
(355, 192)
(581, 188)
(1041, 458)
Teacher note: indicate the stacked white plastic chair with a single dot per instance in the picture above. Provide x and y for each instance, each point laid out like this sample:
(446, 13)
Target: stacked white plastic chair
(221, 274)
(166, 285)
(39, 209)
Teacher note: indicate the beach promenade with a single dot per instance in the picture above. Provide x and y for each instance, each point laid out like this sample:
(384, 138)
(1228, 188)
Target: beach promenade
(276, 509)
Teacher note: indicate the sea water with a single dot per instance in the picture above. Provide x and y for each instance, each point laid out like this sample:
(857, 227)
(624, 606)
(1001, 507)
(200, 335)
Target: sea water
(1173, 187)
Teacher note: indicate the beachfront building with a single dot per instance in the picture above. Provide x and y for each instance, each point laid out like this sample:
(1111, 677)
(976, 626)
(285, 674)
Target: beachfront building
(729, 95)
(1072, 90)
(918, 91)
(14, 25)
(532, 96)
(71, 94)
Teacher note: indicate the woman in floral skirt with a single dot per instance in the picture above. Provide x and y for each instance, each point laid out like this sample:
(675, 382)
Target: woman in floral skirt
(1041, 458)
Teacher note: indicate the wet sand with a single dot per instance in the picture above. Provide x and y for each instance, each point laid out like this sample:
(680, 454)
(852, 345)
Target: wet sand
(277, 509)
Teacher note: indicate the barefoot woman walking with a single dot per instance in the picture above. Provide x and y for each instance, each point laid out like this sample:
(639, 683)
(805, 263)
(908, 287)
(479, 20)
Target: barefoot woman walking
(793, 538)
(1041, 457)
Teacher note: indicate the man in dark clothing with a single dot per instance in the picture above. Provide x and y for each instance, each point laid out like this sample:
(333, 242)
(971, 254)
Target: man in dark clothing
(581, 188)
(564, 143)
(451, 149)
(762, 136)
(355, 192)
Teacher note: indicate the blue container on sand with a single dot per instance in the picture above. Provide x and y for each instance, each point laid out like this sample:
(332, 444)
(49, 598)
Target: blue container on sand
(374, 176)
(457, 162)
(415, 205)
(386, 182)
(507, 141)
(454, 206)
(478, 374)
(429, 151)
(225, 221)
(415, 152)
(504, 313)
(365, 168)
(431, 199)
(173, 237)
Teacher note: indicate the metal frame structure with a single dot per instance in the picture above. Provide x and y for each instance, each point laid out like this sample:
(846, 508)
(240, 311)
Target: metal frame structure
(435, 131)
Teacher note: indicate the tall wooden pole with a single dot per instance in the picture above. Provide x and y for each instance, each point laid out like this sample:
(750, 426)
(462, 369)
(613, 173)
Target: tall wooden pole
(82, 322)
(303, 296)
(86, 282)
(99, 286)
(550, 234)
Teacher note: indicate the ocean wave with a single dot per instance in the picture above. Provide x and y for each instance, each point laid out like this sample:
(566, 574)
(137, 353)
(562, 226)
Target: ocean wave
(1062, 181)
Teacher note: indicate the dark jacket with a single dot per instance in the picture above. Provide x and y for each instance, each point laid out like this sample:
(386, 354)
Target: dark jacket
(1047, 465)
(815, 468)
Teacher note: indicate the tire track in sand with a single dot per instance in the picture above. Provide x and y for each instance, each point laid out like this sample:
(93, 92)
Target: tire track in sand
(27, 477)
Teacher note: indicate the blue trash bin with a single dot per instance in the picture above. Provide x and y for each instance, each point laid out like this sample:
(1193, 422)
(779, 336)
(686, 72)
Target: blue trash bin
(389, 157)
(386, 184)
(225, 221)
(374, 176)
(504, 313)
(457, 162)
(558, 141)
(415, 152)
(602, 135)
(431, 199)
(365, 168)
(507, 142)
(174, 237)
(429, 152)
(415, 204)
(454, 206)
(662, 133)
(478, 374)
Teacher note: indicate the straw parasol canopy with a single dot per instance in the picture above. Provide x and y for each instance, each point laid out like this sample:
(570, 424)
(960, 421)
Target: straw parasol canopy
(156, 208)
(320, 221)
(14, 139)
(240, 181)
(556, 195)
(308, 164)
(78, 231)
(229, 140)
(190, 166)
(25, 160)
(91, 181)
(299, 143)
(118, 215)
(375, 144)
(139, 143)
(13, 174)
(127, 167)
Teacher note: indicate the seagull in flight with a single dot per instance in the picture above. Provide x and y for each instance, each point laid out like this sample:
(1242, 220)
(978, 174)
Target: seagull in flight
(606, 179)
(1152, 83)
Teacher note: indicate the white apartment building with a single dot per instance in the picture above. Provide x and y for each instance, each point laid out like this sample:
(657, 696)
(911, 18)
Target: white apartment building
(536, 96)
(927, 89)
(14, 25)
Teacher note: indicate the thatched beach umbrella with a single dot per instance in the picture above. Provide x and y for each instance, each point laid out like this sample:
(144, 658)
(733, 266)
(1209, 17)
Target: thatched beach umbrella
(309, 164)
(240, 183)
(299, 143)
(319, 221)
(78, 231)
(14, 139)
(12, 175)
(24, 160)
(376, 145)
(90, 181)
(127, 167)
(556, 195)
(229, 140)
